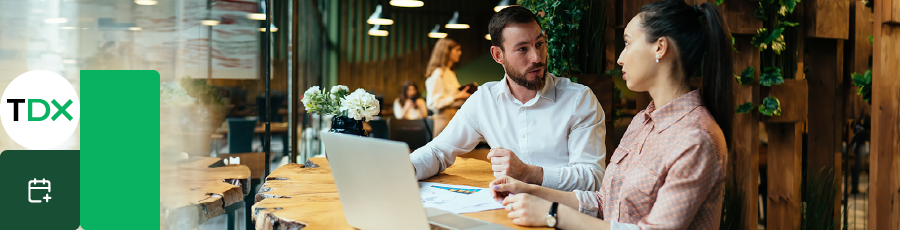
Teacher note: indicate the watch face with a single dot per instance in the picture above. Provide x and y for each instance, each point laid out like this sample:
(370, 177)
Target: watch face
(551, 221)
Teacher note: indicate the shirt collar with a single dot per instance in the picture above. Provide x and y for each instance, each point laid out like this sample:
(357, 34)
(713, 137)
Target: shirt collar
(548, 92)
(672, 112)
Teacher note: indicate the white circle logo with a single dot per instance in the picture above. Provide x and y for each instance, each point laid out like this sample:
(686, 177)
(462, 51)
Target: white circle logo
(40, 109)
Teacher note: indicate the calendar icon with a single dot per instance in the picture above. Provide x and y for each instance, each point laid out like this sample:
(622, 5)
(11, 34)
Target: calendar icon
(42, 184)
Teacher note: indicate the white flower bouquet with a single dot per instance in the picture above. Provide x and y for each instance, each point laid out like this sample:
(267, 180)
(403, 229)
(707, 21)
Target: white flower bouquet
(339, 101)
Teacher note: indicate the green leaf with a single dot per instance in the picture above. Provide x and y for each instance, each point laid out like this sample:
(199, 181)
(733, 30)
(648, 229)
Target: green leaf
(719, 2)
(776, 33)
(778, 45)
(759, 39)
(789, 5)
(746, 76)
(871, 40)
(744, 108)
(791, 24)
(732, 44)
(770, 107)
(771, 76)
(760, 11)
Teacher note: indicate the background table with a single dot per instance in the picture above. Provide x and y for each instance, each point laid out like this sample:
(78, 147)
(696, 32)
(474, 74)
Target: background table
(191, 192)
(295, 196)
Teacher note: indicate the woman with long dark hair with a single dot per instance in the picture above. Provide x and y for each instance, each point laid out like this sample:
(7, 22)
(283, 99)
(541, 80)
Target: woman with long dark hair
(409, 106)
(668, 171)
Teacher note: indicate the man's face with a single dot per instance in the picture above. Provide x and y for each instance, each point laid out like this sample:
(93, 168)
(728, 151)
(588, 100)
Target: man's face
(524, 55)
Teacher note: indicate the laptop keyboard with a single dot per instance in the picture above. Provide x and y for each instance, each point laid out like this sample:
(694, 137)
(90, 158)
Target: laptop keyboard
(454, 221)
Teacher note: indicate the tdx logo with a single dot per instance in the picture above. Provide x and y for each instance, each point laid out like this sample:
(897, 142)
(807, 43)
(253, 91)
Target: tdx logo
(60, 109)
(39, 109)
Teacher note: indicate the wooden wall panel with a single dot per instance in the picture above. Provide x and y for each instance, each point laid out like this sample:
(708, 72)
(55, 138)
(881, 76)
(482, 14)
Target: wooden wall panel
(784, 161)
(890, 11)
(884, 178)
(824, 127)
(827, 18)
(628, 9)
(858, 50)
(738, 15)
(744, 157)
(793, 95)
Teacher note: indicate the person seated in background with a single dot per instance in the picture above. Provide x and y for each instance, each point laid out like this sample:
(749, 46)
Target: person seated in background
(542, 129)
(408, 106)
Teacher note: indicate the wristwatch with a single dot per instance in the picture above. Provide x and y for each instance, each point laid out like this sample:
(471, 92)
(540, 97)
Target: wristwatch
(551, 216)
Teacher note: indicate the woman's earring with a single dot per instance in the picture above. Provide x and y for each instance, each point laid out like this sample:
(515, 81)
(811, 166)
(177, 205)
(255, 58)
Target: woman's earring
(657, 58)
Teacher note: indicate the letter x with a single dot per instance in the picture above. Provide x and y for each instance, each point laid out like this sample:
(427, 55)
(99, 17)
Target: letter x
(61, 110)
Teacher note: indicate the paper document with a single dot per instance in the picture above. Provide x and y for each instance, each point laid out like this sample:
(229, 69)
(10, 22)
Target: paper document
(457, 198)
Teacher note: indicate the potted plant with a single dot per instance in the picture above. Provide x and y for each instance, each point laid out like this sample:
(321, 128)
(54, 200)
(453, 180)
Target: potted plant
(349, 110)
(190, 112)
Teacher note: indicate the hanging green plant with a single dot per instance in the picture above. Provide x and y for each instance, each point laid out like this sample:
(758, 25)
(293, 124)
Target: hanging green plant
(745, 108)
(864, 82)
(746, 76)
(560, 21)
(765, 39)
(770, 107)
(771, 76)
(787, 6)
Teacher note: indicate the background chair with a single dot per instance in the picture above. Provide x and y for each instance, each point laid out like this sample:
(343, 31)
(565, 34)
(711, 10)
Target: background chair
(240, 134)
(416, 133)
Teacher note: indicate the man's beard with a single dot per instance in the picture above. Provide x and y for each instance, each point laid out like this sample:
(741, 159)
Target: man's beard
(521, 78)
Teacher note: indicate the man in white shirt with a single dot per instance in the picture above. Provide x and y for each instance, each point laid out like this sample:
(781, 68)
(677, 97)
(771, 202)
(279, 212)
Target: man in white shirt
(542, 129)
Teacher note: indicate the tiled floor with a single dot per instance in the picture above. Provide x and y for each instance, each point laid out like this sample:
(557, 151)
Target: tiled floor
(857, 205)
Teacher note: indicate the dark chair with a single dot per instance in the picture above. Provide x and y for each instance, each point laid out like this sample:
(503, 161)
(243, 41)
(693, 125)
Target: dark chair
(277, 102)
(240, 134)
(380, 129)
(416, 133)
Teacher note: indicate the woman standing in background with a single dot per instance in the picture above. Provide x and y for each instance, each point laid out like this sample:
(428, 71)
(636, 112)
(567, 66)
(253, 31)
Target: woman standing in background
(444, 96)
(409, 106)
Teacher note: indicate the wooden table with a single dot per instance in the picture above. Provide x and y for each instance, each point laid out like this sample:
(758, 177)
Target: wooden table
(191, 192)
(274, 127)
(295, 196)
(254, 161)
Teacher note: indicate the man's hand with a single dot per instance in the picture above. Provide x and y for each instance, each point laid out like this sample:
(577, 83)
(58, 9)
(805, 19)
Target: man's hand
(505, 163)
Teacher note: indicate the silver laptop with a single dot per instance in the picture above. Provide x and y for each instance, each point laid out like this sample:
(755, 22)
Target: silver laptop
(378, 188)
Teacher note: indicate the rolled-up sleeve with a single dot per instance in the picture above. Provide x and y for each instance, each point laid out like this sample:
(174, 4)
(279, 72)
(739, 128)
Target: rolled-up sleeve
(459, 137)
(586, 146)
(589, 203)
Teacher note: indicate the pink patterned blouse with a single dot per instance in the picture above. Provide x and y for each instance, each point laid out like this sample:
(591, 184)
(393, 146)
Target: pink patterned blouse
(668, 171)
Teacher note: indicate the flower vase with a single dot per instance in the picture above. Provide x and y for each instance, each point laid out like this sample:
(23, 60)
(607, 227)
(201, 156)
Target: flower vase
(344, 124)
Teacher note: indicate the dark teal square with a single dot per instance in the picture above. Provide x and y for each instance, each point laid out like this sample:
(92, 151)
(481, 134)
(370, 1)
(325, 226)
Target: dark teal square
(18, 168)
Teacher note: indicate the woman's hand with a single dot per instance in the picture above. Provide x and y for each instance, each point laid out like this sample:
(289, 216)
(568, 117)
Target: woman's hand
(409, 104)
(504, 185)
(463, 94)
(527, 210)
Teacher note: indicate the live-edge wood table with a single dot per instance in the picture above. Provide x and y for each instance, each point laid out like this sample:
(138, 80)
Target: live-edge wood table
(197, 189)
(298, 197)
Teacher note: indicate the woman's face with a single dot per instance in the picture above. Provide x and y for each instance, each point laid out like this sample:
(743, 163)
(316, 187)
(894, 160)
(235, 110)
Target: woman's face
(455, 52)
(638, 59)
(411, 91)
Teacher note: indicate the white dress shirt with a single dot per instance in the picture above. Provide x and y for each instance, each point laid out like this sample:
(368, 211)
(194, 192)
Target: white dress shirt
(561, 130)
